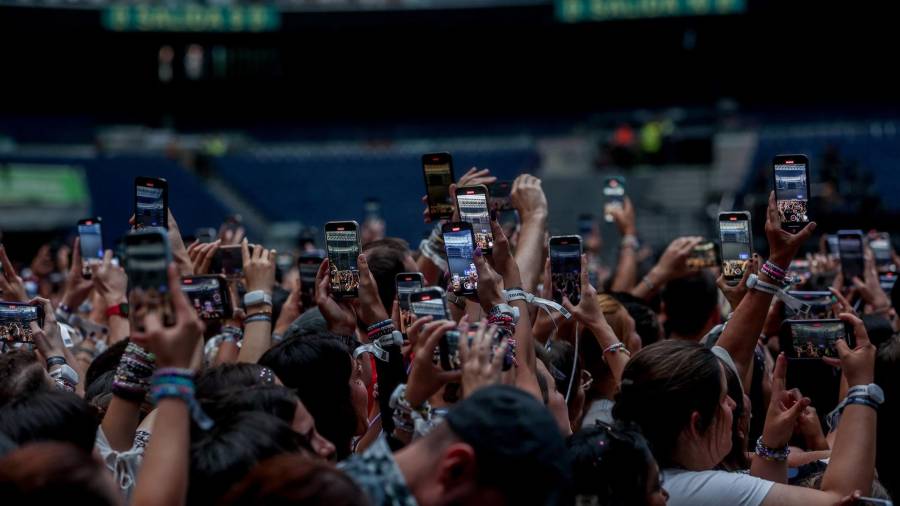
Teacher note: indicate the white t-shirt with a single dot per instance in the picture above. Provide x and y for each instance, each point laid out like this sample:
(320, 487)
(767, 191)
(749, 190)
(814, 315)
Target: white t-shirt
(714, 488)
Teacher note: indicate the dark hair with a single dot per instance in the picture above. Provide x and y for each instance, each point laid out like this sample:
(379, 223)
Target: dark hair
(319, 370)
(222, 378)
(887, 376)
(559, 361)
(385, 257)
(736, 459)
(611, 465)
(662, 386)
(878, 328)
(54, 415)
(275, 400)
(54, 473)
(99, 392)
(21, 374)
(646, 324)
(689, 302)
(224, 454)
(295, 479)
(106, 361)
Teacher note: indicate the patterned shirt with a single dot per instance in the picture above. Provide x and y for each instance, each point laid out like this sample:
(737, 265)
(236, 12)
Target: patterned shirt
(376, 472)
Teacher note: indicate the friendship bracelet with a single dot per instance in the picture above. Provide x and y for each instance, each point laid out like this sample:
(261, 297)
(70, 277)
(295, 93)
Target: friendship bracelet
(175, 383)
(260, 317)
(617, 347)
(378, 325)
(771, 454)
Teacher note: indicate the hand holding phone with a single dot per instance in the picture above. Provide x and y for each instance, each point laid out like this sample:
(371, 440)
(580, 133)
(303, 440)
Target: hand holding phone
(815, 339)
(342, 246)
(613, 196)
(16, 319)
(850, 246)
(208, 295)
(791, 177)
(472, 204)
(565, 267)
(148, 257)
(703, 256)
(90, 240)
(735, 236)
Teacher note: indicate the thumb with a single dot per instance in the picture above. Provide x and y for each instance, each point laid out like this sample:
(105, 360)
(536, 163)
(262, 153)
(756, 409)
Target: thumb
(798, 408)
(566, 303)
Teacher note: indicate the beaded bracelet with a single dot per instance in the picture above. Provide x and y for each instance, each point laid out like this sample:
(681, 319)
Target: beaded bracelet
(378, 325)
(132, 378)
(175, 383)
(617, 347)
(771, 454)
(260, 317)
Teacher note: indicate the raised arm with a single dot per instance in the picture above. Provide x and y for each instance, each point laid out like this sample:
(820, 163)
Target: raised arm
(671, 265)
(626, 269)
(528, 198)
(259, 270)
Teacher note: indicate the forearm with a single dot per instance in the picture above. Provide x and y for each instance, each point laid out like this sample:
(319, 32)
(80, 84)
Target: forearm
(257, 340)
(530, 250)
(120, 423)
(162, 479)
(626, 270)
(616, 361)
(119, 328)
(650, 285)
(526, 360)
(852, 463)
(771, 470)
(742, 332)
(228, 353)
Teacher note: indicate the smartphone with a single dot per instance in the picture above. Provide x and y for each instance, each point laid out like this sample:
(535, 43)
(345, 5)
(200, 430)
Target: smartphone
(873, 501)
(308, 264)
(448, 349)
(208, 295)
(149, 255)
(228, 261)
(850, 245)
(565, 267)
(500, 195)
(613, 195)
(406, 283)
(429, 301)
(342, 245)
(831, 243)
(438, 170)
(814, 339)
(372, 207)
(735, 236)
(880, 243)
(791, 175)
(472, 203)
(205, 234)
(820, 303)
(703, 256)
(459, 242)
(15, 321)
(90, 238)
(887, 281)
(151, 202)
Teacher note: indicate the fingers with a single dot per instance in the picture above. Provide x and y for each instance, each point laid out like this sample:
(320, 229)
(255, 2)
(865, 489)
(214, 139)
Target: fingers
(207, 256)
(76, 256)
(806, 232)
(859, 329)
(722, 284)
(779, 375)
(8, 269)
(107, 258)
(566, 303)
(772, 210)
(183, 309)
(362, 264)
(499, 355)
(842, 302)
(245, 252)
(585, 279)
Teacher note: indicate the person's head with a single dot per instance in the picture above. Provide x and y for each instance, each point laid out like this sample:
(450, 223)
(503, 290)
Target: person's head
(388, 257)
(52, 415)
(568, 375)
(497, 446)
(223, 455)
(106, 361)
(646, 323)
(676, 392)
(21, 374)
(295, 479)
(99, 392)
(878, 328)
(887, 376)
(328, 381)
(222, 378)
(740, 426)
(55, 473)
(275, 400)
(691, 306)
(613, 466)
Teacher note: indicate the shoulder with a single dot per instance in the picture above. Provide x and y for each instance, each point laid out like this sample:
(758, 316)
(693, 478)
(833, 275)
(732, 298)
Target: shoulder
(714, 487)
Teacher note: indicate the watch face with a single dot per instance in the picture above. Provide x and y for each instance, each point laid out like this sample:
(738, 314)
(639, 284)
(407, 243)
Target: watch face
(875, 392)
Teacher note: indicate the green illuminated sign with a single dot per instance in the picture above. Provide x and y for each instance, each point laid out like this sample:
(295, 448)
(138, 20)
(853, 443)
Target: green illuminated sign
(573, 11)
(191, 18)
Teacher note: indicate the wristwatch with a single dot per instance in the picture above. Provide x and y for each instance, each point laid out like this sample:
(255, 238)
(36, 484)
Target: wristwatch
(120, 309)
(257, 298)
(872, 392)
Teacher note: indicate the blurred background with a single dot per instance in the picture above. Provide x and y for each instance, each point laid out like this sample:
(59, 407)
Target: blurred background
(291, 113)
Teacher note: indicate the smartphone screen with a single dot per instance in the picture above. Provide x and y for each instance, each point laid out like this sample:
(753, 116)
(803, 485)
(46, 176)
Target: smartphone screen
(228, 261)
(500, 195)
(208, 295)
(820, 306)
(148, 256)
(438, 170)
(734, 235)
(150, 202)
(613, 195)
(407, 283)
(703, 256)
(15, 322)
(205, 234)
(460, 246)
(882, 249)
(814, 339)
(565, 267)
(791, 173)
(342, 245)
(91, 240)
(850, 245)
(429, 302)
(473, 209)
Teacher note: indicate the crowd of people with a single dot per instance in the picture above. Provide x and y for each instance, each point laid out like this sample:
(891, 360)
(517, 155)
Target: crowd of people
(793, 210)
(659, 386)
